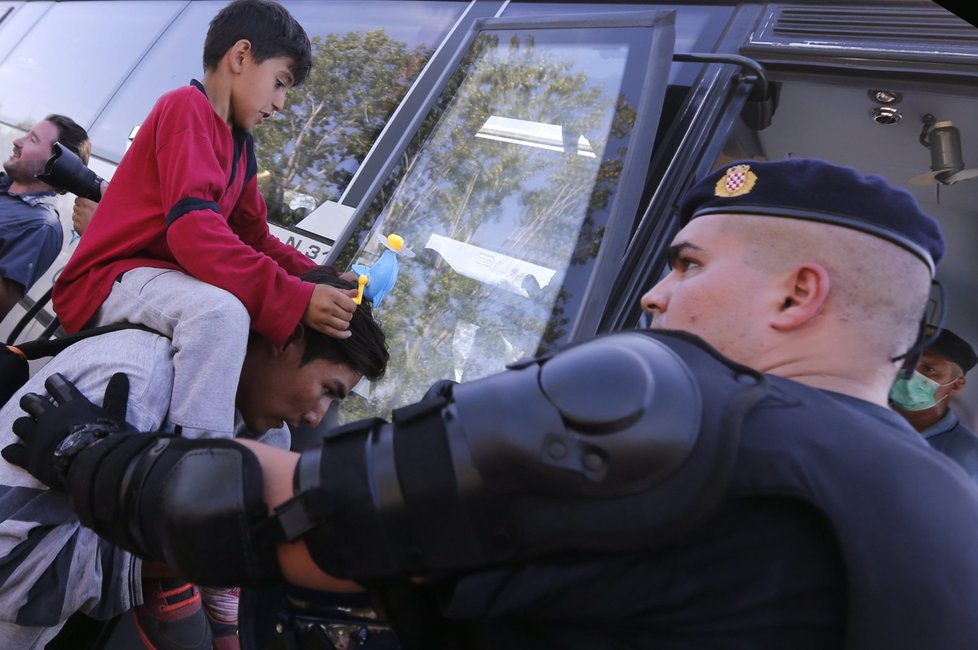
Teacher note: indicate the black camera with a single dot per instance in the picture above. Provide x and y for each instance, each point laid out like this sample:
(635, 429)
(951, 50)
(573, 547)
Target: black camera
(65, 172)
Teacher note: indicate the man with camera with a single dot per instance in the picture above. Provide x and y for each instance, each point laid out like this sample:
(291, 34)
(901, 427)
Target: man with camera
(31, 235)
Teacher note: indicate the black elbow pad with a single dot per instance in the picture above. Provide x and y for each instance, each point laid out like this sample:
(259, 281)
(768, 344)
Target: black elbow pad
(193, 504)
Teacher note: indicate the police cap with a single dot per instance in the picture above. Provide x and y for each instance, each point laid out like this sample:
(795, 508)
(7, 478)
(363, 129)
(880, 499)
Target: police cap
(955, 348)
(805, 188)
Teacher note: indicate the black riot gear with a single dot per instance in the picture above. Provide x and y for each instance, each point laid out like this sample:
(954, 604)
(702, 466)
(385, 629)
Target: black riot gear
(611, 444)
(623, 442)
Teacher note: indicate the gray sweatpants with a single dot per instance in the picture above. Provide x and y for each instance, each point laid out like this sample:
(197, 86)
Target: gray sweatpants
(209, 329)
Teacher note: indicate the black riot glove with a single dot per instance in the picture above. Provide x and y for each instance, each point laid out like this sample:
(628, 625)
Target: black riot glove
(56, 430)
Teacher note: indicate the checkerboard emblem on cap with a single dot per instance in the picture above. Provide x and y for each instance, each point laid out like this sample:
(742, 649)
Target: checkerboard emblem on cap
(816, 190)
(737, 181)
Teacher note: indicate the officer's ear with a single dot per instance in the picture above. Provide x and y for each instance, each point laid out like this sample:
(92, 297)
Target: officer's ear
(805, 290)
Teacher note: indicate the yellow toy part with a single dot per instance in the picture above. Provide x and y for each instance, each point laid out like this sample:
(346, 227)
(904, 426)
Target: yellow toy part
(362, 281)
(396, 242)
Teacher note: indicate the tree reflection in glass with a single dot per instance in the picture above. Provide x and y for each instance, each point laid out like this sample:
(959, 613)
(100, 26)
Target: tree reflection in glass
(498, 200)
(310, 151)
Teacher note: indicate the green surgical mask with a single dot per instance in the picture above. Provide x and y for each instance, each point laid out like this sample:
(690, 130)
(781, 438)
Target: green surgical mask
(916, 393)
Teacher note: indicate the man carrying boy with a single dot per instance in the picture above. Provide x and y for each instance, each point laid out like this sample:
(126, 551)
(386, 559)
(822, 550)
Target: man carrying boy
(181, 242)
(51, 567)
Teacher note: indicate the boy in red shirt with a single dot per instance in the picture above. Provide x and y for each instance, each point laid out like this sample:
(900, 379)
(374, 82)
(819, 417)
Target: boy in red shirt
(180, 241)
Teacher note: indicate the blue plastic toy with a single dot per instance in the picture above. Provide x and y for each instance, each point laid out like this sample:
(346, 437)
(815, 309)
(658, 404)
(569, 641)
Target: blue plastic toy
(379, 278)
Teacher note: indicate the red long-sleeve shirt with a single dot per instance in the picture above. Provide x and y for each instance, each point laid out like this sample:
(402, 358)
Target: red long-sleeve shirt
(185, 196)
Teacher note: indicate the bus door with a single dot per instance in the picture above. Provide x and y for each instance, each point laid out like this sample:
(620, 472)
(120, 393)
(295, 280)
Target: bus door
(516, 194)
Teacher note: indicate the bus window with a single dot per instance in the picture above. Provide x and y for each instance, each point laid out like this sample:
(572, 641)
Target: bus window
(15, 19)
(506, 202)
(366, 54)
(697, 27)
(173, 61)
(67, 54)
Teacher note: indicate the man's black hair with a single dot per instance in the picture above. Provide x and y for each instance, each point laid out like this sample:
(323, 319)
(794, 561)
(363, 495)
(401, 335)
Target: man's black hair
(72, 136)
(269, 27)
(365, 350)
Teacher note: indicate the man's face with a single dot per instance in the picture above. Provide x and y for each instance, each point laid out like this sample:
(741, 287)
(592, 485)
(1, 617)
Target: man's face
(259, 91)
(31, 152)
(276, 390)
(942, 370)
(711, 289)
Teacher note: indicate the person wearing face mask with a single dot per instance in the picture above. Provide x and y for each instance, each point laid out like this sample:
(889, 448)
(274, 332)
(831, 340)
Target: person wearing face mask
(925, 399)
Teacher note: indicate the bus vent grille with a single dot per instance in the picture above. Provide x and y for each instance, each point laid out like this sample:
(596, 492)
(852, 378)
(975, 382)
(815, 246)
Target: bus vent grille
(908, 29)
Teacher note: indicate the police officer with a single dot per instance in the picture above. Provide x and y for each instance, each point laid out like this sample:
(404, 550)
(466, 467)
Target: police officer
(924, 398)
(733, 478)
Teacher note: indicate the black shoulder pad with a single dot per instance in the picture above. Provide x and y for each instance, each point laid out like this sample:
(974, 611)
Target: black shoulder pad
(620, 443)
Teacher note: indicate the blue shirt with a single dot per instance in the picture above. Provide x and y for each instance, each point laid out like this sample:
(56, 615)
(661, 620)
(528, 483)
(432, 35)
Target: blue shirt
(30, 234)
(955, 440)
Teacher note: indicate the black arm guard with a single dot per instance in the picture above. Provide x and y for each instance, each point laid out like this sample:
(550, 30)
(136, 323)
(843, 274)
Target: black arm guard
(622, 442)
(196, 505)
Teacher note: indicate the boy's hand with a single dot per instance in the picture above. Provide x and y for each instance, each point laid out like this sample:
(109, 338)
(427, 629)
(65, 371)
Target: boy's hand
(330, 311)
